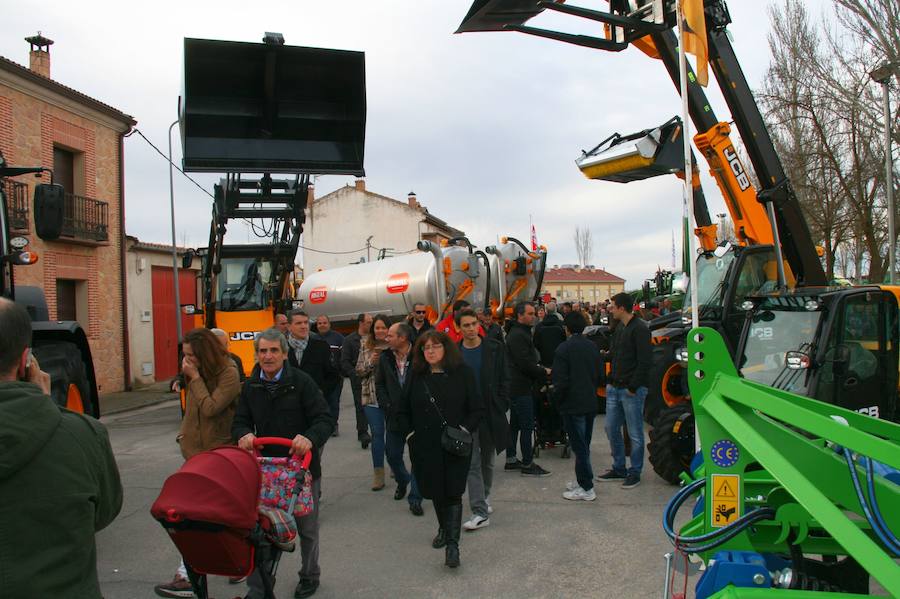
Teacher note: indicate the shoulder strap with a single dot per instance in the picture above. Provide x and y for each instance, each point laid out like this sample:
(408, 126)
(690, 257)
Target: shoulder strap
(431, 399)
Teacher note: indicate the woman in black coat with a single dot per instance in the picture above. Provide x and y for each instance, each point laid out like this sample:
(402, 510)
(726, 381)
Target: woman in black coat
(440, 374)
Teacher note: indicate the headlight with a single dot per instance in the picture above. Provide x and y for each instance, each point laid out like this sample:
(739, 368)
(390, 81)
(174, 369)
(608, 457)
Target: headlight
(681, 354)
(747, 305)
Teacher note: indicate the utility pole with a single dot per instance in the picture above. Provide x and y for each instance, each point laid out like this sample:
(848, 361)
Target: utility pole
(883, 75)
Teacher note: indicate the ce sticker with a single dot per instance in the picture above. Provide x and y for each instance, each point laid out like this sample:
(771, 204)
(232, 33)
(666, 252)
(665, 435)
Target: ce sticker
(724, 453)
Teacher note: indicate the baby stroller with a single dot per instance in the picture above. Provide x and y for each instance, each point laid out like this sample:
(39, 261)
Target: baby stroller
(548, 425)
(229, 512)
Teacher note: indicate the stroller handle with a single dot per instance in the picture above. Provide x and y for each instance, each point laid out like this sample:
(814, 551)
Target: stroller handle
(263, 441)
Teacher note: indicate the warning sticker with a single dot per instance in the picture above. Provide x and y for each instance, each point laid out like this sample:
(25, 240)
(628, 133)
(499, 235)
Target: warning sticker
(726, 489)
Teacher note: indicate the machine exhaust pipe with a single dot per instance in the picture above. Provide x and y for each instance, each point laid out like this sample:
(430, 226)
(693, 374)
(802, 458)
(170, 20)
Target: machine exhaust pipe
(441, 288)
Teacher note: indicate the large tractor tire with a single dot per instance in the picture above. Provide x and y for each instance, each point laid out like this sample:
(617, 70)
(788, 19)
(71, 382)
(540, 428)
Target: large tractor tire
(69, 386)
(666, 385)
(671, 446)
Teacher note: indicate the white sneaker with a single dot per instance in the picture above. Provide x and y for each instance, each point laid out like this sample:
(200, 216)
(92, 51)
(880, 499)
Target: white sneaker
(579, 494)
(476, 522)
(572, 485)
(487, 500)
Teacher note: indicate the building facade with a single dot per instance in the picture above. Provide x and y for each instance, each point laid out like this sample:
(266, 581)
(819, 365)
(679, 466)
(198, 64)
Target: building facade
(45, 123)
(352, 224)
(152, 330)
(571, 283)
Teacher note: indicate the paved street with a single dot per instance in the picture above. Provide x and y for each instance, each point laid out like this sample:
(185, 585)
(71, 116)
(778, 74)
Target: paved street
(538, 545)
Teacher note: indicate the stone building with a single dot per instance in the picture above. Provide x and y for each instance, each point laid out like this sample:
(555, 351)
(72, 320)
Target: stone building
(45, 123)
(353, 224)
(570, 283)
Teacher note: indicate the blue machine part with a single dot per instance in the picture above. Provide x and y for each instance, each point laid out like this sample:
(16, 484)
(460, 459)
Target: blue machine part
(724, 453)
(739, 568)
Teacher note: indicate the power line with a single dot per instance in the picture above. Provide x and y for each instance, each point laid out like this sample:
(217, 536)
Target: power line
(166, 158)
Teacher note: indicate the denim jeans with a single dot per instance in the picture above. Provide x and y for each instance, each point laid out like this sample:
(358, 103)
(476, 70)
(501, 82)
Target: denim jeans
(375, 416)
(623, 407)
(580, 428)
(481, 475)
(394, 446)
(334, 400)
(521, 423)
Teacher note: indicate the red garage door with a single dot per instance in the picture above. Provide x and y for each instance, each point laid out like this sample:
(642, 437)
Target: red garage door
(165, 340)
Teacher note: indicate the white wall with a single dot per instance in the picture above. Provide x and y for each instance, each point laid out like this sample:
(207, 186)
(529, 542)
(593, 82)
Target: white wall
(341, 221)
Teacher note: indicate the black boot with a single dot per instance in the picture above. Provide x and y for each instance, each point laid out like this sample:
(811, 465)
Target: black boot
(452, 524)
(441, 538)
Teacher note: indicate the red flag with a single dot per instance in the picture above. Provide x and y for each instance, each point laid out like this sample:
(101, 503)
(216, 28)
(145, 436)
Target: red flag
(534, 244)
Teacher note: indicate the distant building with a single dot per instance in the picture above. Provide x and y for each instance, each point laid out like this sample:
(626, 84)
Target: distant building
(339, 225)
(570, 283)
(45, 123)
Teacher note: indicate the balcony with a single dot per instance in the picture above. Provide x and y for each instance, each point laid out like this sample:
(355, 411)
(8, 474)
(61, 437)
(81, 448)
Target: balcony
(85, 219)
(17, 206)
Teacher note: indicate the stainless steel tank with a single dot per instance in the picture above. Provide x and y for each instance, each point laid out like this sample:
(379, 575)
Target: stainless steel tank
(516, 274)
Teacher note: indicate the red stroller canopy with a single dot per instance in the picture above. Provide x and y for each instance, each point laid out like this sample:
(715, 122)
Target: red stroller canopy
(220, 486)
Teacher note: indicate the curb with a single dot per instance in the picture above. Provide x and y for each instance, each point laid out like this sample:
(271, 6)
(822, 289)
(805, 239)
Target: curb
(121, 409)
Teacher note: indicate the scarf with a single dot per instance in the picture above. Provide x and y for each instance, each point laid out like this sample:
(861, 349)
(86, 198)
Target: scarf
(299, 346)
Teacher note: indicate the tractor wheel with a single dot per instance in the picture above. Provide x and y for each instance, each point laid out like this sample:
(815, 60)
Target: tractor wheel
(671, 446)
(666, 387)
(69, 385)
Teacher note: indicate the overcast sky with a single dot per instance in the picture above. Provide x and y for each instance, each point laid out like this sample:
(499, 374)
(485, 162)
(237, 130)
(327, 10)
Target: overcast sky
(484, 127)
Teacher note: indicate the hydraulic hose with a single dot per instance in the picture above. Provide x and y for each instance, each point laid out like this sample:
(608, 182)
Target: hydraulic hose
(886, 537)
(876, 511)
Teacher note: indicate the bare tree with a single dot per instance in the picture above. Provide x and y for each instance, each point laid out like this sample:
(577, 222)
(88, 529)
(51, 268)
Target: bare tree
(584, 245)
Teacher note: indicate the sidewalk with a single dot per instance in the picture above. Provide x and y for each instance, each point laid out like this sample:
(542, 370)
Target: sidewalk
(125, 401)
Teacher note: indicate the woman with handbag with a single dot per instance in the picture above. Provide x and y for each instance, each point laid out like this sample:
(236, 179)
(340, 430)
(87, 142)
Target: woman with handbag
(440, 411)
(212, 388)
(369, 353)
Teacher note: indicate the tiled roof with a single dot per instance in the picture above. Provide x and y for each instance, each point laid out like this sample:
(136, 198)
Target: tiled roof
(15, 68)
(582, 275)
(137, 244)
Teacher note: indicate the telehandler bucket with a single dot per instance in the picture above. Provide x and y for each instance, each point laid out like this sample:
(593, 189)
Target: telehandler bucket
(638, 156)
(495, 15)
(272, 108)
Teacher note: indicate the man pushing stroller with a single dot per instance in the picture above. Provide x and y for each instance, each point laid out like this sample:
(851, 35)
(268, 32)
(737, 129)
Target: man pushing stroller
(278, 400)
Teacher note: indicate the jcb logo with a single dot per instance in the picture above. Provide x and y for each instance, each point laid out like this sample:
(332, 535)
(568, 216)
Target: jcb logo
(244, 335)
(737, 168)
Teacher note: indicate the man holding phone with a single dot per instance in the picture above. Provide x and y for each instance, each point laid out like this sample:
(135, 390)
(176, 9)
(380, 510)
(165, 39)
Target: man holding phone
(43, 442)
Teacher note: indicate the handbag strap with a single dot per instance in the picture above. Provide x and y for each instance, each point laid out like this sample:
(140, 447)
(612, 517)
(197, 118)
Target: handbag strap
(431, 399)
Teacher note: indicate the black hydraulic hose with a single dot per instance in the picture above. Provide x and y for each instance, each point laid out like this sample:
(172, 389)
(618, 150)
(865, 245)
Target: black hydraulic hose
(487, 274)
(453, 240)
(540, 279)
(520, 244)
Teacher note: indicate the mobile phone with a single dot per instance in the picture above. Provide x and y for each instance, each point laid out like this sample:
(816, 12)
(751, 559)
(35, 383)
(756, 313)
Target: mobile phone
(28, 359)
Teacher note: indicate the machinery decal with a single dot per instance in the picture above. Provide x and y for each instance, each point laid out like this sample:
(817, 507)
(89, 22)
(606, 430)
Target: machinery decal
(318, 295)
(398, 283)
(725, 505)
(244, 335)
(737, 168)
(724, 453)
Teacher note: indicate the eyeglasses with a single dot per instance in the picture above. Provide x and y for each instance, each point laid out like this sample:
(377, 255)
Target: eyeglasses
(420, 311)
(432, 347)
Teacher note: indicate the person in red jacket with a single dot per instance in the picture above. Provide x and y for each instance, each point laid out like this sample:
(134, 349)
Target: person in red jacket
(450, 326)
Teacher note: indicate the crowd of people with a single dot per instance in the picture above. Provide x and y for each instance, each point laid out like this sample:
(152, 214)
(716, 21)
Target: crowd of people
(413, 384)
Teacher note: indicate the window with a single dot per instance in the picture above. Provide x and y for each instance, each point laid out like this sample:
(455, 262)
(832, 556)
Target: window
(64, 168)
(66, 302)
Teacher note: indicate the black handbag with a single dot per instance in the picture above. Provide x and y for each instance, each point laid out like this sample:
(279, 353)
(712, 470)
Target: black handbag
(454, 440)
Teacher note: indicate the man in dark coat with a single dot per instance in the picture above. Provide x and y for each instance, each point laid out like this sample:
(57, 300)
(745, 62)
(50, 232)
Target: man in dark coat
(525, 373)
(548, 335)
(576, 374)
(334, 340)
(418, 321)
(487, 359)
(310, 353)
(278, 400)
(392, 377)
(59, 483)
(491, 329)
(349, 356)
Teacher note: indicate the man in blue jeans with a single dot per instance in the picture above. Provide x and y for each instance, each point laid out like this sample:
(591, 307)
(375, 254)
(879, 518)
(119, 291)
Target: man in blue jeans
(392, 378)
(576, 373)
(626, 391)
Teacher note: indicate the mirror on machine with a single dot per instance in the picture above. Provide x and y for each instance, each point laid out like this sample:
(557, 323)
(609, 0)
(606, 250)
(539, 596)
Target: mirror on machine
(49, 210)
(796, 360)
(187, 259)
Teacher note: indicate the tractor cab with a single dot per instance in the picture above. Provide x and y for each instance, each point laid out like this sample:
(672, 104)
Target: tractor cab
(837, 345)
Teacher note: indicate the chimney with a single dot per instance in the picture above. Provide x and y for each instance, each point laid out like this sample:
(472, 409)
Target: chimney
(411, 198)
(360, 184)
(310, 194)
(39, 56)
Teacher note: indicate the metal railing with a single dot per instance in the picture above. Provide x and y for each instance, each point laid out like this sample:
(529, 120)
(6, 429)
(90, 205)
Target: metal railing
(85, 218)
(17, 205)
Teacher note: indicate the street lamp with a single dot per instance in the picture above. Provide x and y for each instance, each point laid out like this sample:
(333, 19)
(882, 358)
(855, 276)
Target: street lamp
(883, 76)
(174, 245)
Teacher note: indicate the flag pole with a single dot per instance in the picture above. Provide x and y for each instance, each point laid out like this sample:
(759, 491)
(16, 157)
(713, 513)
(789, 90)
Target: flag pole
(688, 167)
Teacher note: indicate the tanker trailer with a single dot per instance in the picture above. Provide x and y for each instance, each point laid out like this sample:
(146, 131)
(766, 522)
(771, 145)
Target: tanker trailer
(517, 274)
(436, 276)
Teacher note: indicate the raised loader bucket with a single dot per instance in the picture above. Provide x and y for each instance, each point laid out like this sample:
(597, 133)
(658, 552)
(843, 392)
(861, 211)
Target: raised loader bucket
(495, 15)
(638, 156)
(272, 108)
